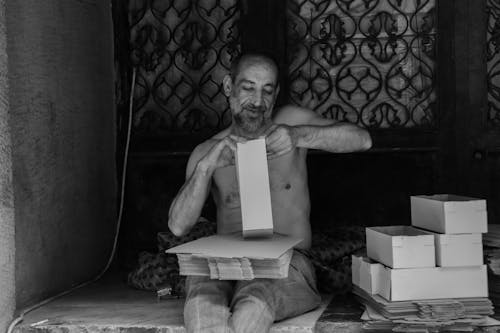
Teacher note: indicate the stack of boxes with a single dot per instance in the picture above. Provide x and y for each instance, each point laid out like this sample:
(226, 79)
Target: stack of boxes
(439, 257)
(491, 243)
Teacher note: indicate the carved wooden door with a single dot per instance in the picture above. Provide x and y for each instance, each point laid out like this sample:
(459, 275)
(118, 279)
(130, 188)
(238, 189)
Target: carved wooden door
(368, 62)
(471, 144)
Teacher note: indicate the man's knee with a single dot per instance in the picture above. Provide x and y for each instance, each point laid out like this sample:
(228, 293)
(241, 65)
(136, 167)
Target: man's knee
(206, 307)
(258, 294)
(253, 309)
(207, 297)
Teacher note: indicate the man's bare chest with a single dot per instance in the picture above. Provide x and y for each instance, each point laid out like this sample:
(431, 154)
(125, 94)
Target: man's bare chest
(285, 177)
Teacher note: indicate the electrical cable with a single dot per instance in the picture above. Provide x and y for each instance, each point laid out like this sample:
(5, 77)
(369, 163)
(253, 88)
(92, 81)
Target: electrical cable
(118, 224)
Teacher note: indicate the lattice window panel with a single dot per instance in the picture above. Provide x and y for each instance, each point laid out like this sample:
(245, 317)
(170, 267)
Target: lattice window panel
(493, 62)
(182, 50)
(369, 62)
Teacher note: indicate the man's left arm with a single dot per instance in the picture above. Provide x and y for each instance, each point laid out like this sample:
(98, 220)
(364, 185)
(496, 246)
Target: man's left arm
(299, 127)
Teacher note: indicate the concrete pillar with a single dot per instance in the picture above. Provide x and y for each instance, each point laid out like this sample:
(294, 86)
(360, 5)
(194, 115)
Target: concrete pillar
(62, 127)
(7, 239)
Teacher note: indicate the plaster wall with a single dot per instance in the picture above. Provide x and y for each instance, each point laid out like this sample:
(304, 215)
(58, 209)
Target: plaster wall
(7, 245)
(63, 139)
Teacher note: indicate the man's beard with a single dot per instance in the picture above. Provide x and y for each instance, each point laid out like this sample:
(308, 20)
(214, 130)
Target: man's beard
(250, 120)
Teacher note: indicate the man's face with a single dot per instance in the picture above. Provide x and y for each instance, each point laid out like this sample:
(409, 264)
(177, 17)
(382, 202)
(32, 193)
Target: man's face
(252, 95)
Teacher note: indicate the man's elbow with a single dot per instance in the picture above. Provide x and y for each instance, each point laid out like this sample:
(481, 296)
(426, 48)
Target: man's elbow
(174, 228)
(363, 139)
(366, 140)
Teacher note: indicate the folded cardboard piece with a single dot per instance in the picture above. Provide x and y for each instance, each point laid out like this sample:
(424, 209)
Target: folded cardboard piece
(401, 246)
(366, 274)
(449, 214)
(255, 194)
(454, 250)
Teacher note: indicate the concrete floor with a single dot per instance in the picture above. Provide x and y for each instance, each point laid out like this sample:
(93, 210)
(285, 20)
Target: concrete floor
(110, 306)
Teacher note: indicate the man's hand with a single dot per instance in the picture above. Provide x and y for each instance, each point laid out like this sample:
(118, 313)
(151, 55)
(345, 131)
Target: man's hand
(221, 154)
(280, 140)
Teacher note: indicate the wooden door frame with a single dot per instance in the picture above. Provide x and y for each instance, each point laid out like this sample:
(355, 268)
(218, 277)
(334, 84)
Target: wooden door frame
(464, 102)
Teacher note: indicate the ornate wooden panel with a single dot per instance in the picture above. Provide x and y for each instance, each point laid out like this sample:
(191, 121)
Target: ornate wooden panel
(182, 50)
(369, 62)
(493, 61)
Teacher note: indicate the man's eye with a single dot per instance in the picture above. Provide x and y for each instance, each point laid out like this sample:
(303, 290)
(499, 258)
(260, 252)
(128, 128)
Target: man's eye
(268, 92)
(246, 88)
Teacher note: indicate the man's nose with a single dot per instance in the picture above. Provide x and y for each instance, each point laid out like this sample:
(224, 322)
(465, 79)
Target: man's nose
(257, 98)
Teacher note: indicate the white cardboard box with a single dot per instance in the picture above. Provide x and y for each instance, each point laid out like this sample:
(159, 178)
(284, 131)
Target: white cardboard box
(449, 214)
(255, 193)
(401, 246)
(432, 283)
(459, 250)
(366, 274)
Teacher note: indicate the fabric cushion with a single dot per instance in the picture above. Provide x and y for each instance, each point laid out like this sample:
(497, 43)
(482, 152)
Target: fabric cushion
(160, 270)
(330, 254)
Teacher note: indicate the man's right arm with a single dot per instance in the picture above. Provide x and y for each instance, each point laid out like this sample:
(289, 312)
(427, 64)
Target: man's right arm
(187, 205)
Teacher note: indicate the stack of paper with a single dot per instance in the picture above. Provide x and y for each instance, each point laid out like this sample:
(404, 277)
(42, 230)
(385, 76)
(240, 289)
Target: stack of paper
(194, 265)
(239, 268)
(491, 241)
(230, 269)
(271, 268)
(492, 237)
(494, 288)
(374, 321)
(230, 257)
(424, 316)
(493, 259)
(436, 309)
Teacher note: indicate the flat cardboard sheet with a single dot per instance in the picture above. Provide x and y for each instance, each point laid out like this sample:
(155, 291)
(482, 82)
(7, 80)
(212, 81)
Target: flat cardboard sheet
(255, 193)
(235, 246)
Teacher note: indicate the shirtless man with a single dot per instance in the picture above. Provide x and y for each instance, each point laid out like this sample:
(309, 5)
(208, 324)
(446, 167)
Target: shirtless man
(252, 306)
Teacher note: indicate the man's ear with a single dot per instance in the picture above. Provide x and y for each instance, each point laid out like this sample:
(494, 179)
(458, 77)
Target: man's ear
(227, 85)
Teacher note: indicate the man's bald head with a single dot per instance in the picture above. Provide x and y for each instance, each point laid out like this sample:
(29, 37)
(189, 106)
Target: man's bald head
(248, 59)
(252, 88)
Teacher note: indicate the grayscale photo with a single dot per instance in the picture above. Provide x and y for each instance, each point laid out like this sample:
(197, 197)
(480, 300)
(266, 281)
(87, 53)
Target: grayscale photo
(249, 166)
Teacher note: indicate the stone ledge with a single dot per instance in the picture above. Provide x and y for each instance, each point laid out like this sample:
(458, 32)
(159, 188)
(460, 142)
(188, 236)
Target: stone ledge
(112, 307)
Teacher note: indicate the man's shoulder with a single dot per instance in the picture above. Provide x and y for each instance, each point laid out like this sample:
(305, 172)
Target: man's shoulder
(293, 115)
